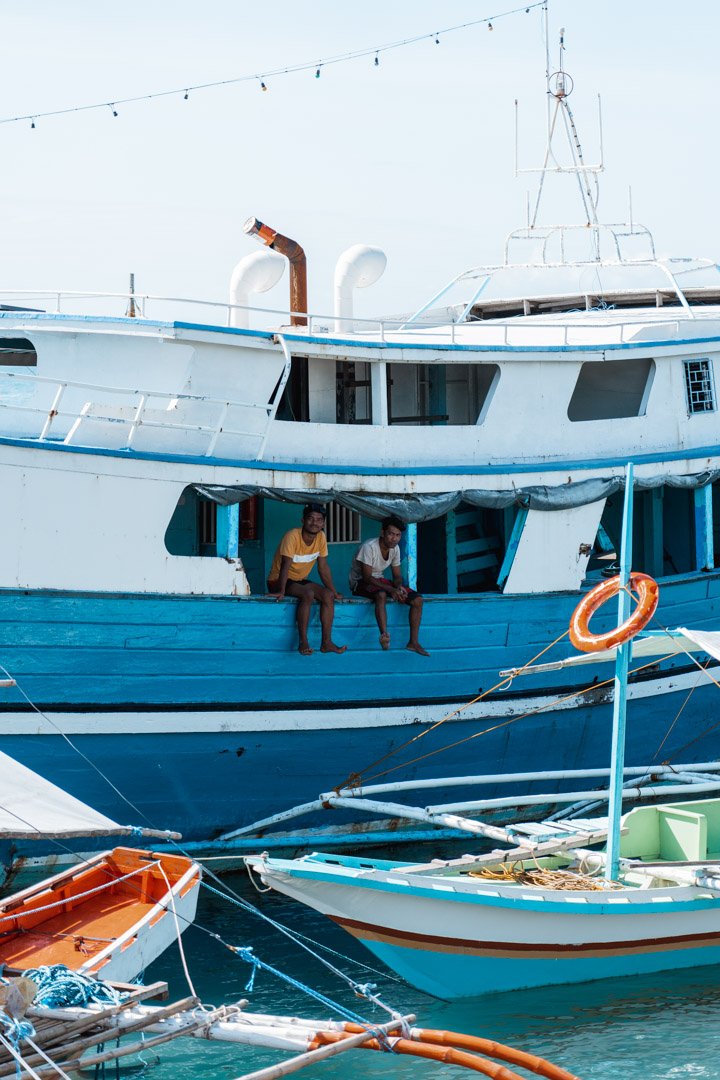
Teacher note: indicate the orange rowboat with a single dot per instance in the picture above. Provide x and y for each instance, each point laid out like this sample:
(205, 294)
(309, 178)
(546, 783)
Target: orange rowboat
(110, 917)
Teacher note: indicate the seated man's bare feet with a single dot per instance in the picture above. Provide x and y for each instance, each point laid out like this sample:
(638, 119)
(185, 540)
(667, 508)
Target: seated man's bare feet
(304, 649)
(417, 647)
(332, 647)
(385, 641)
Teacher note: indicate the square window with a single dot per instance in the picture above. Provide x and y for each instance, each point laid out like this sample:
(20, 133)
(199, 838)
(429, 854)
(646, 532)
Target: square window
(699, 386)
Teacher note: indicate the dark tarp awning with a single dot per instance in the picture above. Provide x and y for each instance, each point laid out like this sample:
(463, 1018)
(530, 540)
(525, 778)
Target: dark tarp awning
(413, 507)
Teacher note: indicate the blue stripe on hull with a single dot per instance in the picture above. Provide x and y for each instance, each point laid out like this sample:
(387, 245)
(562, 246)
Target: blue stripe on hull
(450, 976)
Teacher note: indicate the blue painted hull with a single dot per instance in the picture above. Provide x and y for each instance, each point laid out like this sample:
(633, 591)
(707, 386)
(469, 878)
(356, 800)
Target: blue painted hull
(105, 651)
(450, 977)
(202, 713)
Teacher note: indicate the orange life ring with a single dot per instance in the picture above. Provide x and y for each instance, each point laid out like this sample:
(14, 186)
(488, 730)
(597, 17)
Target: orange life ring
(648, 594)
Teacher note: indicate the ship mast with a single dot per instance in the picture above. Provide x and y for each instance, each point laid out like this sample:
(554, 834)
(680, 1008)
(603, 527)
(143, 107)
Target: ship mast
(560, 119)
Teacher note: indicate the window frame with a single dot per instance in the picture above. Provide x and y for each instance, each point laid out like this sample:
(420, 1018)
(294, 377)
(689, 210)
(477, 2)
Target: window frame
(699, 361)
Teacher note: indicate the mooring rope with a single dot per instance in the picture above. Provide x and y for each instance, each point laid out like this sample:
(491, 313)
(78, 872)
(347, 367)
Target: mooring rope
(355, 778)
(247, 954)
(514, 719)
(361, 989)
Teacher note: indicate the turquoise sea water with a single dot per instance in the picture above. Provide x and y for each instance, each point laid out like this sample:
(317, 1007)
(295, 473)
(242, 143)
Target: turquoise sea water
(664, 1027)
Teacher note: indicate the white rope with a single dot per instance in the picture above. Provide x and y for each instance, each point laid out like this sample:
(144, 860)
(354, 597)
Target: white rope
(41, 1052)
(70, 743)
(18, 1057)
(179, 933)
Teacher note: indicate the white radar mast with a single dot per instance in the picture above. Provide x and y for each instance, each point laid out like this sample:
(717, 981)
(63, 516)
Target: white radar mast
(560, 116)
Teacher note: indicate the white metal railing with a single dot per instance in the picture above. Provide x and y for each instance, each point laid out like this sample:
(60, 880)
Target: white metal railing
(72, 420)
(609, 234)
(555, 332)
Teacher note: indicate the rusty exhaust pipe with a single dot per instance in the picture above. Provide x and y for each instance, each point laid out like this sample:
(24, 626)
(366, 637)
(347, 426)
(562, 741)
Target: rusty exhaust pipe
(298, 266)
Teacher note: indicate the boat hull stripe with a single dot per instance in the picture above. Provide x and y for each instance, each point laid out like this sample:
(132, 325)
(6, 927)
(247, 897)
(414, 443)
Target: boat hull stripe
(525, 950)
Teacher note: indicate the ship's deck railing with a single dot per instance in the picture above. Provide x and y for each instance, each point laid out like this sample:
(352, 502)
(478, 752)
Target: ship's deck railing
(453, 327)
(484, 275)
(64, 425)
(614, 235)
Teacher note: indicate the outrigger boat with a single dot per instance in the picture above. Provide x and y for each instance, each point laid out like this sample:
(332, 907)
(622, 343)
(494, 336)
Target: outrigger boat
(548, 909)
(109, 915)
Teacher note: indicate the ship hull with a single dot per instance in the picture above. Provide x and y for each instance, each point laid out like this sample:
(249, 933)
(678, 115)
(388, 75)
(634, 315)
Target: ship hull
(202, 713)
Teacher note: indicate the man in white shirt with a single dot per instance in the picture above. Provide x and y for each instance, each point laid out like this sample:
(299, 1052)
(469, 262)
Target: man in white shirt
(367, 578)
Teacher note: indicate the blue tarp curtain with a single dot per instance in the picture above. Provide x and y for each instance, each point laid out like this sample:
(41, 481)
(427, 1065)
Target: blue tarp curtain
(413, 507)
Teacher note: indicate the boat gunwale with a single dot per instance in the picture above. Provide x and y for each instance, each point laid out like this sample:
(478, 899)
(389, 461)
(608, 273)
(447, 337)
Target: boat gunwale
(627, 900)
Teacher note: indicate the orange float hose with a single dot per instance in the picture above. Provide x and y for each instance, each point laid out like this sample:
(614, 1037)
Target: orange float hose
(648, 593)
(494, 1049)
(448, 1055)
(476, 1043)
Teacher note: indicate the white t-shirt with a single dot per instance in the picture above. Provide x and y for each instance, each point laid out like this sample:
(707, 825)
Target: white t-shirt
(370, 555)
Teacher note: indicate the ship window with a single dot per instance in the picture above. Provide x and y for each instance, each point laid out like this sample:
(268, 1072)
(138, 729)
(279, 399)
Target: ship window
(610, 389)
(354, 394)
(342, 525)
(440, 393)
(468, 390)
(17, 352)
(699, 386)
(295, 402)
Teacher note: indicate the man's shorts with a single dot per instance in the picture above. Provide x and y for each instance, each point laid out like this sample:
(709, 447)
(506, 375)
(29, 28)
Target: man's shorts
(369, 589)
(274, 586)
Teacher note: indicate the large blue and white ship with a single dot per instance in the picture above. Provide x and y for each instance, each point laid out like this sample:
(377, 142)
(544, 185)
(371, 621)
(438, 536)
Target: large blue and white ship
(154, 451)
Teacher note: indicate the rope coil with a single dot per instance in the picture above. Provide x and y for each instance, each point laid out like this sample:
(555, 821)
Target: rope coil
(61, 988)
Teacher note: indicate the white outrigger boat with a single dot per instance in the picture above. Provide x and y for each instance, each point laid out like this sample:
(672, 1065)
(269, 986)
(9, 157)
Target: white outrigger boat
(487, 924)
(537, 913)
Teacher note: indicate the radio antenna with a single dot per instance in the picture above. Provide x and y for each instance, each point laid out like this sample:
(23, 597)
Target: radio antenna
(560, 86)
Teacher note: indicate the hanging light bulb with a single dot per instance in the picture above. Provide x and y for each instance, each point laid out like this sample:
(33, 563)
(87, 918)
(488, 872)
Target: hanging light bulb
(32, 125)
(317, 73)
(186, 95)
(490, 26)
(377, 60)
(112, 108)
(437, 39)
(263, 86)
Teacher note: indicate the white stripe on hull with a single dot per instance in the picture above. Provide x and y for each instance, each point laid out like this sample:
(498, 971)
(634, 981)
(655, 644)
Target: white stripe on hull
(138, 722)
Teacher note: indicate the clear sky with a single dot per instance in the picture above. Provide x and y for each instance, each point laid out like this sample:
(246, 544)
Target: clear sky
(415, 155)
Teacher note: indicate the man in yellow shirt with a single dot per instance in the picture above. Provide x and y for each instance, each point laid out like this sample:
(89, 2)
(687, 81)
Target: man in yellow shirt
(295, 557)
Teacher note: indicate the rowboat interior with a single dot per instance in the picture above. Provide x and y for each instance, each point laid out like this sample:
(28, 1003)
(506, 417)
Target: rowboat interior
(77, 916)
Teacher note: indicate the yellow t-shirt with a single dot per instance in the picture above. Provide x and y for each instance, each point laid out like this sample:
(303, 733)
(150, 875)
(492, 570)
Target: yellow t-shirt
(304, 556)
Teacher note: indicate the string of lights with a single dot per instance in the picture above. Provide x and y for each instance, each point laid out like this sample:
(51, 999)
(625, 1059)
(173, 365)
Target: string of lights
(263, 77)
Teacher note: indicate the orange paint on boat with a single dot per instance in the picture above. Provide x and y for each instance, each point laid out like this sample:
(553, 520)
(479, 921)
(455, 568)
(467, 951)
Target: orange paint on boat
(63, 921)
